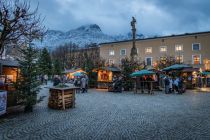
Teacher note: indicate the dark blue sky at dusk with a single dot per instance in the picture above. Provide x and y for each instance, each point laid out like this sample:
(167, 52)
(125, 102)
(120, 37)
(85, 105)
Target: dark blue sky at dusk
(154, 17)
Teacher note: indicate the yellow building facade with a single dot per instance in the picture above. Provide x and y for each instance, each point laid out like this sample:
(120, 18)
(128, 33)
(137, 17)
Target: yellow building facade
(193, 49)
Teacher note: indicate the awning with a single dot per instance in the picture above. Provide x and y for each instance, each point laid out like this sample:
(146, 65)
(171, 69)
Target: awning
(177, 67)
(142, 73)
(71, 70)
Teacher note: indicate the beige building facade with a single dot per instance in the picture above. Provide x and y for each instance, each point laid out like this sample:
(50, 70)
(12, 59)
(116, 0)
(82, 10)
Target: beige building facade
(193, 49)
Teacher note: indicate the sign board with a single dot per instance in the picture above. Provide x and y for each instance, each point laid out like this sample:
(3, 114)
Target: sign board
(3, 102)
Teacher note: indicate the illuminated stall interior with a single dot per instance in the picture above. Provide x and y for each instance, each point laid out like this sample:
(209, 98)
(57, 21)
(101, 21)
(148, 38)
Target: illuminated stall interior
(8, 74)
(105, 76)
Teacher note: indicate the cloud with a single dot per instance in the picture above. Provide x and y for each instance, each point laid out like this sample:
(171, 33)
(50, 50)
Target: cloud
(114, 16)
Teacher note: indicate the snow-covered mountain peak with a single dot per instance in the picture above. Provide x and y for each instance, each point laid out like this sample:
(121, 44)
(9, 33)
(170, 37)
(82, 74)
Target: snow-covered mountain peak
(83, 35)
(89, 28)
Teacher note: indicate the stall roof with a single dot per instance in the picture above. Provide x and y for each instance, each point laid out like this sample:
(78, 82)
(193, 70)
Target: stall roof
(9, 63)
(176, 67)
(142, 73)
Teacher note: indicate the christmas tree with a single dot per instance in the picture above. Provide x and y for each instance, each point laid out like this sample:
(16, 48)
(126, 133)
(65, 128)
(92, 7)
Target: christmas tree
(57, 69)
(27, 83)
(45, 63)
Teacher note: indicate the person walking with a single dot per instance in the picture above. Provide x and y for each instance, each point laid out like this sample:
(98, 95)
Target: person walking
(167, 83)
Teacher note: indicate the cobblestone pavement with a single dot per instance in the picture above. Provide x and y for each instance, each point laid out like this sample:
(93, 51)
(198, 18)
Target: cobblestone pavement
(102, 115)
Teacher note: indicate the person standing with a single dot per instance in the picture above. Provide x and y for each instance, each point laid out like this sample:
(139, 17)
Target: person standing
(83, 84)
(176, 83)
(167, 83)
(170, 85)
(87, 80)
(45, 78)
(56, 80)
(149, 80)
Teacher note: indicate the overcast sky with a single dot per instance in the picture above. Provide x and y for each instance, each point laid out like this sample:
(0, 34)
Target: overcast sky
(154, 17)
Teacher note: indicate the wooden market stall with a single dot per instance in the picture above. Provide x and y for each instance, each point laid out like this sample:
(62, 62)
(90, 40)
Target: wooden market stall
(105, 76)
(143, 79)
(187, 72)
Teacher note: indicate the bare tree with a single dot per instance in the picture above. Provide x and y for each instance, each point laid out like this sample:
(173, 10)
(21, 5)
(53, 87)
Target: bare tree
(18, 24)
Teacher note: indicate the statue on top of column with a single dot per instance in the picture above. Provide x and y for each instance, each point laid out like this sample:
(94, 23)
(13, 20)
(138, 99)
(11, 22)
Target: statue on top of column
(133, 49)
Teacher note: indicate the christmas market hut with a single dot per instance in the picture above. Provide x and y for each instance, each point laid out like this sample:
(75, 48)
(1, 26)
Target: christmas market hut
(105, 76)
(8, 75)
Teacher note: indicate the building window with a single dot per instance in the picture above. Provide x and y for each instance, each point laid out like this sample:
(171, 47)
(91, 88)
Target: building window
(196, 59)
(179, 59)
(178, 48)
(111, 61)
(148, 50)
(196, 47)
(123, 52)
(148, 61)
(111, 52)
(163, 49)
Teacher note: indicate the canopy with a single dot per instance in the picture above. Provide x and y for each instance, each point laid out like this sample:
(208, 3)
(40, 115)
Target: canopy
(176, 67)
(78, 74)
(72, 70)
(142, 73)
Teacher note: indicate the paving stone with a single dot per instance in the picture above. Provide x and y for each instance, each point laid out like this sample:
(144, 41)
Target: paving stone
(112, 116)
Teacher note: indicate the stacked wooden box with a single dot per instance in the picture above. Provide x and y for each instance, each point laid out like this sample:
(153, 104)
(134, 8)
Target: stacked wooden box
(61, 98)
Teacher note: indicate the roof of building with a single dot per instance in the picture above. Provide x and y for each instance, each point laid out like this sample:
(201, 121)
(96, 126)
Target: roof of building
(160, 37)
(9, 63)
